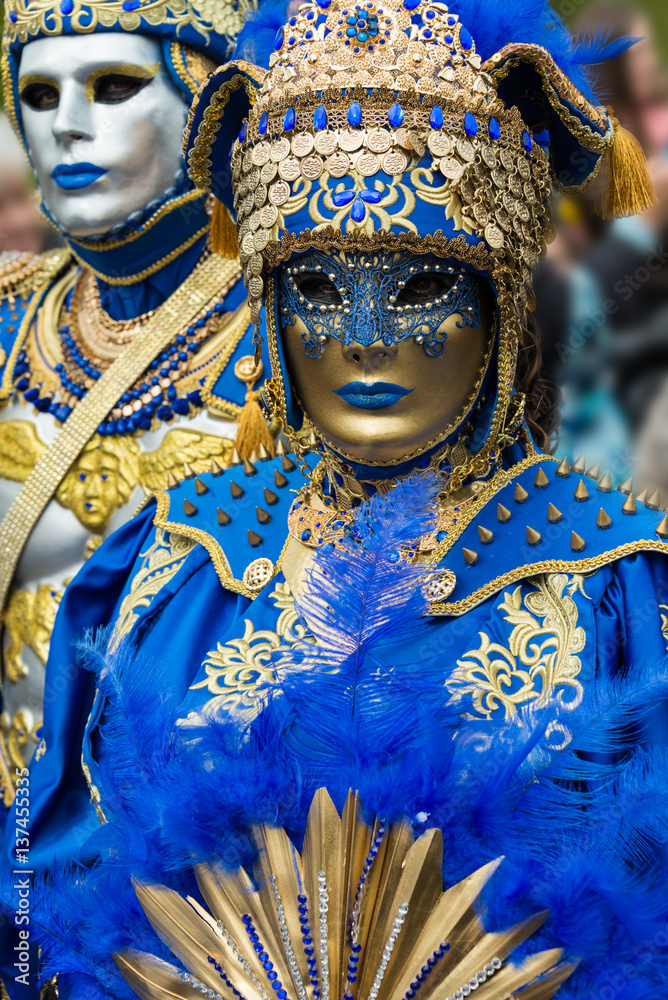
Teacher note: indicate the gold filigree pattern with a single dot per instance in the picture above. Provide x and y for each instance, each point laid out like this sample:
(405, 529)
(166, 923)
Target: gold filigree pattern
(540, 662)
(29, 620)
(664, 622)
(236, 670)
(160, 563)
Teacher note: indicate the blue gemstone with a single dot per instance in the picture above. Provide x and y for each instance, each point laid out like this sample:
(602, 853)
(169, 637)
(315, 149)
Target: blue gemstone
(244, 132)
(494, 128)
(470, 124)
(436, 117)
(181, 406)
(526, 141)
(371, 196)
(13, 16)
(306, 534)
(324, 4)
(31, 394)
(355, 114)
(427, 33)
(351, 20)
(465, 38)
(393, 557)
(452, 21)
(130, 4)
(341, 198)
(264, 122)
(289, 120)
(67, 6)
(448, 39)
(278, 41)
(395, 115)
(358, 211)
(291, 41)
(351, 32)
(362, 36)
(411, 4)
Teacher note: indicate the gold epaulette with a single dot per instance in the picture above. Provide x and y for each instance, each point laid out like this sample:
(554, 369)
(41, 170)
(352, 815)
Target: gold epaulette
(22, 273)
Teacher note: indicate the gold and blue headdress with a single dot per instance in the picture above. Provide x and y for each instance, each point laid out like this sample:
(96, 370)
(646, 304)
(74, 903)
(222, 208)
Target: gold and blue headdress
(414, 126)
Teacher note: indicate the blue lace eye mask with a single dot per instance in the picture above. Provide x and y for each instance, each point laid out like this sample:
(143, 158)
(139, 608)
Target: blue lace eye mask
(368, 298)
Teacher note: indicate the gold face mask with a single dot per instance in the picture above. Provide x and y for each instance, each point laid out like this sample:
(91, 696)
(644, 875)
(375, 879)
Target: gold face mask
(385, 354)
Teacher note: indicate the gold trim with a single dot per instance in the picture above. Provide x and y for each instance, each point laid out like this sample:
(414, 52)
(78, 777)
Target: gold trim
(148, 271)
(8, 375)
(577, 566)
(169, 206)
(233, 339)
(213, 547)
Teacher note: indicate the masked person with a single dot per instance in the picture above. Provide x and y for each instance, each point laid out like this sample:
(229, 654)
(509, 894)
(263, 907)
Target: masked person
(391, 179)
(135, 307)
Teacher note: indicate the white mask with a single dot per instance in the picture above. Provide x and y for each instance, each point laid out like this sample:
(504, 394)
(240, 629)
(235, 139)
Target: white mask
(104, 102)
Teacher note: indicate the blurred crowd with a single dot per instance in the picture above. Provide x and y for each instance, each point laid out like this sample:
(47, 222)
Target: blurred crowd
(602, 292)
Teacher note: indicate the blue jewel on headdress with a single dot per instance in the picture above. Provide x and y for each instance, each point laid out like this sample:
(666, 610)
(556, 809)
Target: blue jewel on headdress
(526, 141)
(263, 123)
(355, 114)
(470, 124)
(67, 6)
(395, 115)
(436, 117)
(358, 211)
(130, 4)
(324, 3)
(243, 133)
(494, 128)
(13, 16)
(465, 38)
(452, 20)
(320, 118)
(289, 120)
(411, 4)
(342, 198)
(278, 41)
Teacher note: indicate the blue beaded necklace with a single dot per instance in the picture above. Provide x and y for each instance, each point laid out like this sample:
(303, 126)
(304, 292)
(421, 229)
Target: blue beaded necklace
(153, 400)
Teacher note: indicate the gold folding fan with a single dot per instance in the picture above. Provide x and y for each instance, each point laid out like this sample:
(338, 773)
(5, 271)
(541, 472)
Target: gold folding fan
(361, 915)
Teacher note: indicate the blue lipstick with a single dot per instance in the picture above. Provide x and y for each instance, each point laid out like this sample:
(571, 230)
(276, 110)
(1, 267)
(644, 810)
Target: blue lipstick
(72, 176)
(372, 395)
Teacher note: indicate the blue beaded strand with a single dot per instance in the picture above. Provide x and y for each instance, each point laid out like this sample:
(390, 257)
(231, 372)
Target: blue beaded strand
(307, 941)
(268, 966)
(426, 969)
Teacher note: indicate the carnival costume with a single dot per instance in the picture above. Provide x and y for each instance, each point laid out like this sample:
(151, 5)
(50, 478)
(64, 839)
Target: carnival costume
(112, 342)
(394, 624)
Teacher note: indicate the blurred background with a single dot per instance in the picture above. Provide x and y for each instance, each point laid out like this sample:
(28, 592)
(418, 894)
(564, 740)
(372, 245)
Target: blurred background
(602, 291)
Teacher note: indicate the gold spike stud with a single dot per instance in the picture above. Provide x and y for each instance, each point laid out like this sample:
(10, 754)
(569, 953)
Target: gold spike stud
(279, 479)
(262, 453)
(288, 464)
(605, 483)
(533, 536)
(189, 508)
(187, 471)
(172, 481)
(553, 514)
(216, 469)
(626, 486)
(629, 505)
(502, 514)
(254, 457)
(280, 448)
(520, 495)
(223, 518)
(654, 501)
(581, 492)
(236, 490)
(642, 496)
(254, 539)
(249, 468)
(564, 469)
(263, 516)
(662, 529)
(541, 480)
(200, 487)
(236, 458)
(270, 497)
(470, 557)
(577, 542)
(578, 465)
(594, 472)
(485, 535)
(312, 439)
(603, 520)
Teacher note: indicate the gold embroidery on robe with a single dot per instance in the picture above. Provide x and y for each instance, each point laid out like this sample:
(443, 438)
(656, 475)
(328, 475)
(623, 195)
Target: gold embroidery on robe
(664, 622)
(109, 469)
(237, 669)
(160, 562)
(540, 662)
(29, 620)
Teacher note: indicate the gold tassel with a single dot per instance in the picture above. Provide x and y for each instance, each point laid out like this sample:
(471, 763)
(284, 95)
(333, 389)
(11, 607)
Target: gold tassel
(628, 190)
(223, 232)
(252, 430)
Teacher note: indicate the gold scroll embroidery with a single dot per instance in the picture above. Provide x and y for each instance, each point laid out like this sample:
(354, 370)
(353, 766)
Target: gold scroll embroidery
(540, 661)
(29, 620)
(237, 669)
(160, 562)
(664, 622)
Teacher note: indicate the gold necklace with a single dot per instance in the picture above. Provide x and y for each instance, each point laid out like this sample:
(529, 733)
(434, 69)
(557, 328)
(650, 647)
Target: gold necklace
(95, 332)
